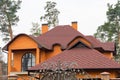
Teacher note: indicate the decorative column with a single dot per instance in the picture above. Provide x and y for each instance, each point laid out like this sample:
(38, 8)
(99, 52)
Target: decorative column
(105, 76)
(9, 60)
(37, 56)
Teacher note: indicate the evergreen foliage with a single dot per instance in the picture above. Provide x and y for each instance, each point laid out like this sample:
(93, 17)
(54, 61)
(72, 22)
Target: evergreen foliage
(8, 17)
(35, 30)
(110, 30)
(51, 14)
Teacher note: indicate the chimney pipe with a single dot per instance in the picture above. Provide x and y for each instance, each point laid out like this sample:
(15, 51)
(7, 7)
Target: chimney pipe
(74, 25)
(44, 28)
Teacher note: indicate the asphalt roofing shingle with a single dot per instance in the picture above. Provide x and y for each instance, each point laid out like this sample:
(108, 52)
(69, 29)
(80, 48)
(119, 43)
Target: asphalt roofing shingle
(84, 57)
(107, 46)
(61, 35)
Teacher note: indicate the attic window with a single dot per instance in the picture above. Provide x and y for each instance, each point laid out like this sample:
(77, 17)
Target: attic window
(79, 45)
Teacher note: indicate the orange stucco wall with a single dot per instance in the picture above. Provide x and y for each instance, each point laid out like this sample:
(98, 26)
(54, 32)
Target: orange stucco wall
(56, 50)
(17, 59)
(109, 55)
(17, 49)
(22, 42)
(48, 54)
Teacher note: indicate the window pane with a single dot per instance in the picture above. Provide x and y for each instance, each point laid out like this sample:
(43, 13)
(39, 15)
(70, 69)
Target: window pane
(28, 60)
(33, 64)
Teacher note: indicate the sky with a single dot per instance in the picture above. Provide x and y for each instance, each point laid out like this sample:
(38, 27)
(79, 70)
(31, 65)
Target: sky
(88, 13)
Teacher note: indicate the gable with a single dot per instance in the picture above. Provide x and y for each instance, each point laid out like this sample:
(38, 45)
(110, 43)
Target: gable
(79, 45)
(79, 42)
(22, 42)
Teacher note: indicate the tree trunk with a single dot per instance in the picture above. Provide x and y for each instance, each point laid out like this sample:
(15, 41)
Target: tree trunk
(9, 26)
(10, 31)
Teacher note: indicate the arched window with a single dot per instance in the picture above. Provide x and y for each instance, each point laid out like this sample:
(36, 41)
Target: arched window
(28, 60)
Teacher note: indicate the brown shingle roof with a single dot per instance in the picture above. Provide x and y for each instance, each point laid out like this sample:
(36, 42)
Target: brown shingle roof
(84, 57)
(94, 41)
(107, 46)
(61, 35)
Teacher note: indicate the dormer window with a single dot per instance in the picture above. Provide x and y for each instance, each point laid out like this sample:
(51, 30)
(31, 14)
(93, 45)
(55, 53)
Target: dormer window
(28, 60)
(79, 45)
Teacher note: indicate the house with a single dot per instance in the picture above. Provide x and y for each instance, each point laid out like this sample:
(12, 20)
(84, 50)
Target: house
(65, 44)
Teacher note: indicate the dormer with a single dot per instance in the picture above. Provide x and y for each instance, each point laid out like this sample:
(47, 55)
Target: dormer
(79, 42)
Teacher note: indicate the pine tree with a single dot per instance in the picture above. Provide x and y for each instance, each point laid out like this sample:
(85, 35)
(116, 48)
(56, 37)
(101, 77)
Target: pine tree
(8, 17)
(51, 14)
(110, 30)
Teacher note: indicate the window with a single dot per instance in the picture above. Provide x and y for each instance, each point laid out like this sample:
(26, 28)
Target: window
(28, 60)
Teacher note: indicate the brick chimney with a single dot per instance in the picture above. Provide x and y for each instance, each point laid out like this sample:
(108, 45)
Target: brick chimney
(74, 25)
(44, 28)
